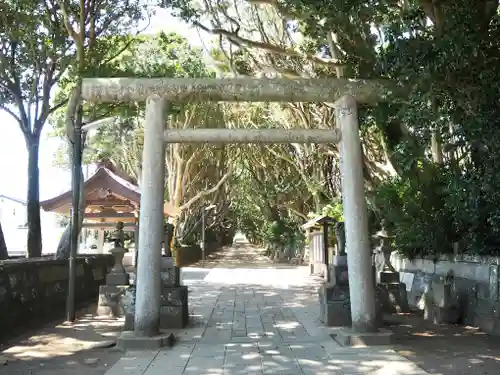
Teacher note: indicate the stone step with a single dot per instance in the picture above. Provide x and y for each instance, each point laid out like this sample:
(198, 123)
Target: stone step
(171, 317)
(128, 341)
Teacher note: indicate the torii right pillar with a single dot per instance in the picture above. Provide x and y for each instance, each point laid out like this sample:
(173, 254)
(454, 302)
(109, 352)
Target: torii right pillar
(365, 322)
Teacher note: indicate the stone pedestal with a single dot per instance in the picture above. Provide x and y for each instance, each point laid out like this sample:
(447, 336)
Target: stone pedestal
(130, 341)
(334, 297)
(112, 295)
(118, 275)
(393, 297)
(390, 291)
(174, 311)
(335, 305)
(112, 300)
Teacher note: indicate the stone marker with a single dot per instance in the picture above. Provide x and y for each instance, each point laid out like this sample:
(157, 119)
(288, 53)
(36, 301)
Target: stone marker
(340, 234)
(334, 297)
(440, 304)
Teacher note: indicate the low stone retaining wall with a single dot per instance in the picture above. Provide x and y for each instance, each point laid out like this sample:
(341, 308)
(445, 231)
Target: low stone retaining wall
(473, 286)
(33, 291)
(187, 255)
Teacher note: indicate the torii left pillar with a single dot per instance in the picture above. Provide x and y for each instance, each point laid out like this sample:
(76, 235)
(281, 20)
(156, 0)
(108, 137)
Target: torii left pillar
(148, 283)
(365, 326)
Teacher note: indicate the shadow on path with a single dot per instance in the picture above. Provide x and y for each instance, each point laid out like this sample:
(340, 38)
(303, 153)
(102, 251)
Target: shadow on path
(445, 349)
(80, 348)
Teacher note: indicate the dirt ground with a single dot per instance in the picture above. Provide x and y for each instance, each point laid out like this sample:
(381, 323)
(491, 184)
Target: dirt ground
(445, 349)
(85, 347)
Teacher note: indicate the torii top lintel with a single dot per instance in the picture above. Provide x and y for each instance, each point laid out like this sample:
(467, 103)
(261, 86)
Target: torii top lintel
(108, 90)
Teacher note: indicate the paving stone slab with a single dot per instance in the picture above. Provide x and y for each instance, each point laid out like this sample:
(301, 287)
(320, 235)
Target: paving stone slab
(133, 363)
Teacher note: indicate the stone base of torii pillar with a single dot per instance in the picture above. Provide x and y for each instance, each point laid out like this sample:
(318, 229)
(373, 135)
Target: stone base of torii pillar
(174, 312)
(335, 309)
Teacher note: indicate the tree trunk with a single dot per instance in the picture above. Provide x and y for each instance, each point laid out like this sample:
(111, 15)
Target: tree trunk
(33, 201)
(73, 114)
(437, 151)
(3, 246)
(64, 245)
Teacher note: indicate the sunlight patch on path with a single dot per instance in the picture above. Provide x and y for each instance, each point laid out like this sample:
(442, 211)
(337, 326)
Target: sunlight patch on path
(269, 277)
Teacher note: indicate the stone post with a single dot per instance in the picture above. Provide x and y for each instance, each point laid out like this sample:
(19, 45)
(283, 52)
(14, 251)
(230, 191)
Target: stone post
(359, 259)
(148, 284)
(325, 249)
(100, 241)
(136, 239)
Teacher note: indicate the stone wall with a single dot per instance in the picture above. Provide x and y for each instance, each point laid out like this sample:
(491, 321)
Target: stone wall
(33, 291)
(473, 285)
(188, 255)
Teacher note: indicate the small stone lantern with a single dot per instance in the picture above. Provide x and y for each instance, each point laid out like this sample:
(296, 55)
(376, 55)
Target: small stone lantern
(118, 275)
(382, 256)
(391, 291)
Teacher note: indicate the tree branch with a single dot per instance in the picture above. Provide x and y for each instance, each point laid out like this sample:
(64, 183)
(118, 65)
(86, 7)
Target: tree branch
(13, 114)
(61, 104)
(235, 38)
(204, 193)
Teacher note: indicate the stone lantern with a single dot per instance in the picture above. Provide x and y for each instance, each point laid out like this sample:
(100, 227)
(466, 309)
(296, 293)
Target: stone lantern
(391, 292)
(114, 296)
(118, 275)
(383, 256)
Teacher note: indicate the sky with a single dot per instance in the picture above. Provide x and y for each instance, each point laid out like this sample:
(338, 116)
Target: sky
(53, 180)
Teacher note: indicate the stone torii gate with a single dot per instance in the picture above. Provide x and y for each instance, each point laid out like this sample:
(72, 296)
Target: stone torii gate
(158, 92)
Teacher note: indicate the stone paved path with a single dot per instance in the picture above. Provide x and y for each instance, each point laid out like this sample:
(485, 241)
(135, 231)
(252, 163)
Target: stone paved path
(250, 317)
